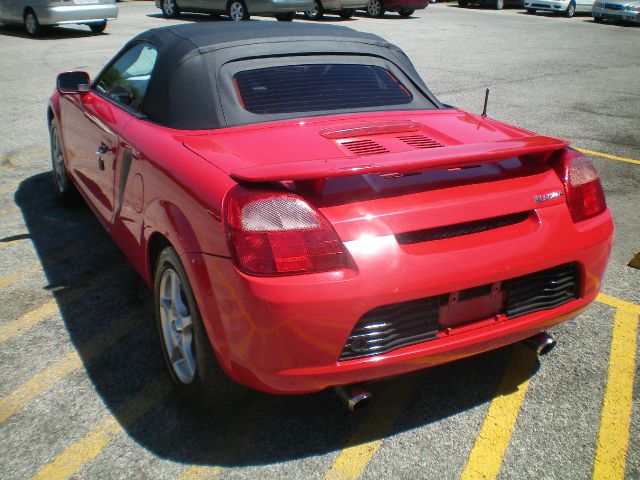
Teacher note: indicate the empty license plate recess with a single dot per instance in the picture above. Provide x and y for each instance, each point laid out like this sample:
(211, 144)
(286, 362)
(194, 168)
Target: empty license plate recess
(472, 305)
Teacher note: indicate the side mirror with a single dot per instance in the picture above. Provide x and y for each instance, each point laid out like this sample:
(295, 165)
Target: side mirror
(73, 82)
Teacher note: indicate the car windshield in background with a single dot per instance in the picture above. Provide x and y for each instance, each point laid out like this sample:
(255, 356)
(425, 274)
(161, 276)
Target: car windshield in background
(318, 87)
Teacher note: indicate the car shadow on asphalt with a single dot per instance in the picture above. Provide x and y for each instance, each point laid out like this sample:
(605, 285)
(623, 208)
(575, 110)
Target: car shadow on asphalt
(98, 292)
(49, 33)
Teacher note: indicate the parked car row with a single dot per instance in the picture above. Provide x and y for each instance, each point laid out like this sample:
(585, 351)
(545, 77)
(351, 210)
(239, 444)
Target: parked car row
(37, 14)
(285, 10)
(616, 10)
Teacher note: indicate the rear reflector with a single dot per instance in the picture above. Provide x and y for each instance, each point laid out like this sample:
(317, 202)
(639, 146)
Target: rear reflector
(277, 233)
(585, 197)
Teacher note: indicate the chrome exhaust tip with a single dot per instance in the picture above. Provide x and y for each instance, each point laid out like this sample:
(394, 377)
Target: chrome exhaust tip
(542, 343)
(354, 397)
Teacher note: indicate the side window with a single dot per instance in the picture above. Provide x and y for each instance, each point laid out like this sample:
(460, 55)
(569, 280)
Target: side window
(127, 79)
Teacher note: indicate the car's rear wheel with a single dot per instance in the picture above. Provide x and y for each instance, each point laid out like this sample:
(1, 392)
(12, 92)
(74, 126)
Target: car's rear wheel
(170, 8)
(375, 8)
(531, 10)
(498, 4)
(571, 10)
(405, 12)
(237, 11)
(31, 24)
(347, 13)
(65, 189)
(317, 12)
(98, 27)
(285, 17)
(190, 359)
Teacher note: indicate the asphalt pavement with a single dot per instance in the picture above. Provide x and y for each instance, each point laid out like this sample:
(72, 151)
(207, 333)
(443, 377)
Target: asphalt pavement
(83, 392)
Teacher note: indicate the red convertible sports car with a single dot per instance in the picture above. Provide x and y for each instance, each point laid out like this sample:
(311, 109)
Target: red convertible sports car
(309, 215)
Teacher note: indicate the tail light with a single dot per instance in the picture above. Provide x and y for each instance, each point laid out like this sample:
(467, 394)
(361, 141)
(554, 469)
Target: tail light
(277, 233)
(585, 197)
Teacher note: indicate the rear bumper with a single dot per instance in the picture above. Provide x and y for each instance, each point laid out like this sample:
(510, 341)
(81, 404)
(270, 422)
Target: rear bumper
(285, 335)
(76, 14)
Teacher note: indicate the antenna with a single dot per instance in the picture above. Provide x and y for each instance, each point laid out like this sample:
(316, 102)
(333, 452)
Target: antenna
(486, 100)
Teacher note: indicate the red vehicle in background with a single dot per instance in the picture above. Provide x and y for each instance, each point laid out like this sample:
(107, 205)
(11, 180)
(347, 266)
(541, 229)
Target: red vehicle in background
(309, 215)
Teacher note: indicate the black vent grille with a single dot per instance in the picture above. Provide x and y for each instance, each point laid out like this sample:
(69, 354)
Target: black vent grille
(364, 147)
(398, 325)
(419, 141)
(459, 229)
(393, 326)
(542, 290)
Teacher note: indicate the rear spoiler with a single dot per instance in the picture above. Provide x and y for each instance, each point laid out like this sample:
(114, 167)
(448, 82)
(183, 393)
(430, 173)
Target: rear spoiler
(402, 162)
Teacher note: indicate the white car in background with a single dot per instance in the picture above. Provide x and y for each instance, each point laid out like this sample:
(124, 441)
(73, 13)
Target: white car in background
(36, 14)
(616, 10)
(564, 7)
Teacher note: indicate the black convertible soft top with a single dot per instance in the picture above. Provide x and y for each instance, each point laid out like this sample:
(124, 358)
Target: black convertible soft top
(185, 91)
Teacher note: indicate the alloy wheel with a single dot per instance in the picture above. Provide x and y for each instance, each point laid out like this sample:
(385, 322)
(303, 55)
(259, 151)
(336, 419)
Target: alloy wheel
(236, 11)
(177, 327)
(373, 8)
(57, 160)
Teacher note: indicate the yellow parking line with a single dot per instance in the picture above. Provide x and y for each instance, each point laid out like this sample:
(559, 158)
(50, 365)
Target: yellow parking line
(615, 418)
(606, 155)
(618, 303)
(50, 260)
(15, 327)
(88, 447)
(48, 378)
(378, 422)
(486, 455)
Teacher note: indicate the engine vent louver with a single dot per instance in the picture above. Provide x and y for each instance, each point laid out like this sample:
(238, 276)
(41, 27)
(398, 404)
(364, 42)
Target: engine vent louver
(398, 325)
(419, 141)
(364, 147)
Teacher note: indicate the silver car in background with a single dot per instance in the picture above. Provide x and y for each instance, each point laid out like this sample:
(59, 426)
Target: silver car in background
(36, 14)
(617, 10)
(237, 10)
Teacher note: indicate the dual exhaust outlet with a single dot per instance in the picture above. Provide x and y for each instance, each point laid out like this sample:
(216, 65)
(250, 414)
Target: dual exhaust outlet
(356, 397)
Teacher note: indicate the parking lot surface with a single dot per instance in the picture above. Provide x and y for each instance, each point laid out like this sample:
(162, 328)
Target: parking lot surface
(83, 392)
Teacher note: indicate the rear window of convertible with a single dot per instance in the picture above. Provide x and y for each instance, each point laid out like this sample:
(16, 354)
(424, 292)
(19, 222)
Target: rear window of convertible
(318, 87)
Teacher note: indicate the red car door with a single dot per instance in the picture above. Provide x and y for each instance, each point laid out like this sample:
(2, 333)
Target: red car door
(92, 125)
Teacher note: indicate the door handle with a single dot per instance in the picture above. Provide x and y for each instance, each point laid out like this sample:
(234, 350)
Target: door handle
(102, 149)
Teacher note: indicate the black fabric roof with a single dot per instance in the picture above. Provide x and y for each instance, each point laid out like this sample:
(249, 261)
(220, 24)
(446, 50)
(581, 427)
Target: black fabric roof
(183, 91)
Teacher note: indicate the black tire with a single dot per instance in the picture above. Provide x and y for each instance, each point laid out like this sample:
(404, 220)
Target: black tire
(31, 24)
(237, 11)
(531, 11)
(405, 12)
(375, 8)
(498, 4)
(570, 11)
(208, 383)
(169, 8)
(597, 19)
(317, 13)
(98, 27)
(65, 189)
(285, 17)
(463, 3)
(347, 13)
